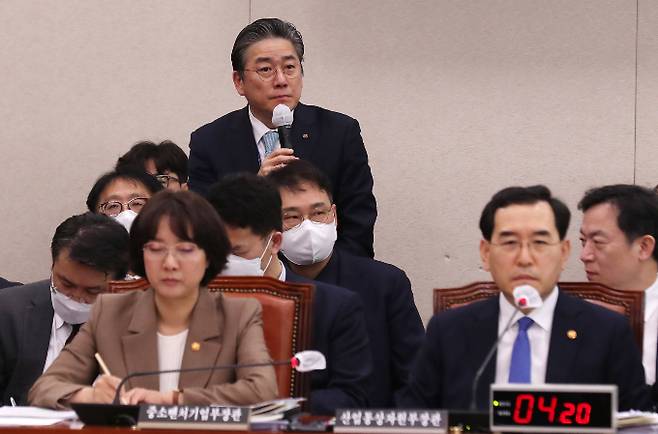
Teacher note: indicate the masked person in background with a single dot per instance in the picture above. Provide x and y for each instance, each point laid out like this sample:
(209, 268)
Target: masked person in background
(310, 221)
(121, 194)
(38, 319)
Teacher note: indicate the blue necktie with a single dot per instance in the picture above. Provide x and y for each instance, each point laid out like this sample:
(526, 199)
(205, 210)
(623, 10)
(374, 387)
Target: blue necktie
(270, 140)
(519, 370)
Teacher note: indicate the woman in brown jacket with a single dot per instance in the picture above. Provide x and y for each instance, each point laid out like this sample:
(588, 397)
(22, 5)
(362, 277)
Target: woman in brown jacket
(178, 242)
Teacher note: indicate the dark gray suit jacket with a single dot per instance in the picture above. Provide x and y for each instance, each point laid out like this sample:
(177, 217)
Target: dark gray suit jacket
(26, 317)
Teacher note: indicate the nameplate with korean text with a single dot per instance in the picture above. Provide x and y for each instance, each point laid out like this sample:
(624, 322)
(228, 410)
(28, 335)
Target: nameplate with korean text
(370, 420)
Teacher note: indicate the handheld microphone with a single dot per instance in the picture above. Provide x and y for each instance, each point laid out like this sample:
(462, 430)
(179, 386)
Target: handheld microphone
(525, 297)
(304, 361)
(282, 118)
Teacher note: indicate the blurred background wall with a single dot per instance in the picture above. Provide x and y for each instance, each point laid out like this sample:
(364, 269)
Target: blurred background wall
(455, 100)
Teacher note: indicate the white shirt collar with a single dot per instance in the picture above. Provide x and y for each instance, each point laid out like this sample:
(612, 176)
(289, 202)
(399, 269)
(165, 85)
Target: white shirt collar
(650, 300)
(257, 126)
(282, 276)
(542, 316)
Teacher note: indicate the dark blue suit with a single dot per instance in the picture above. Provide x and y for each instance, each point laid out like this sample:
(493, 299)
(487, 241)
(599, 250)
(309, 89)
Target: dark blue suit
(26, 317)
(4, 283)
(457, 341)
(331, 141)
(394, 325)
(339, 332)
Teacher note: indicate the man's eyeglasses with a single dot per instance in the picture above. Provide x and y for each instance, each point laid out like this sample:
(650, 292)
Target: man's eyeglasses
(164, 179)
(267, 73)
(113, 208)
(293, 219)
(536, 246)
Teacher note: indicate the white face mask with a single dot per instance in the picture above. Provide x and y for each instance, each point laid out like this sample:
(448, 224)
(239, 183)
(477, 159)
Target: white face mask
(239, 266)
(309, 242)
(71, 311)
(126, 218)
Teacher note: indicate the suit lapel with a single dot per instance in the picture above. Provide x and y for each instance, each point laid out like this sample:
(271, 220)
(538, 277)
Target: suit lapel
(140, 340)
(562, 351)
(203, 340)
(481, 335)
(38, 321)
(304, 132)
(242, 152)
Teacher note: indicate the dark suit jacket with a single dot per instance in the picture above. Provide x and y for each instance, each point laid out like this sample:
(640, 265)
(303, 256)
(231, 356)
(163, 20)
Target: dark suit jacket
(394, 325)
(339, 332)
(4, 283)
(26, 317)
(123, 329)
(457, 341)
(332, 141)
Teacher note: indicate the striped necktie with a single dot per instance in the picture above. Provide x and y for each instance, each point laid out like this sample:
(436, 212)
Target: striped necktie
(270, 140)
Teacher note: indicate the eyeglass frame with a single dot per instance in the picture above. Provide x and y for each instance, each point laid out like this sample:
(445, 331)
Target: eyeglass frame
(170, 250)
(298, 71)
(167, 179)
(331, 210)
(127, 205)
(535, 246)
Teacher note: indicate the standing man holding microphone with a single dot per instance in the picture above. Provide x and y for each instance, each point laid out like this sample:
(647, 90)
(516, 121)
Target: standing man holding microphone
(267, 62)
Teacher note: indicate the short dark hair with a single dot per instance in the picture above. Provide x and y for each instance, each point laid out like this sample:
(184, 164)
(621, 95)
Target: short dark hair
(524, 196)
(128, 173)
(94, 240)
(264, 28)
(637, 207)
(191, 218)
(166, 155)
(293, 174)
(248, 201)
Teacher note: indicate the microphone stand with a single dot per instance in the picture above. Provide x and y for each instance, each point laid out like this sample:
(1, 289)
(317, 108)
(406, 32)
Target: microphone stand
(484, 364)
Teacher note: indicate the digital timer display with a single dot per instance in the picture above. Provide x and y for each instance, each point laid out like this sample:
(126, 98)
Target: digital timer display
(557, 408)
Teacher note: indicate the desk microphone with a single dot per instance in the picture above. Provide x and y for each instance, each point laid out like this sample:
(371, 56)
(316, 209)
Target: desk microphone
(302, 362)
(282, 119)
(525, 297)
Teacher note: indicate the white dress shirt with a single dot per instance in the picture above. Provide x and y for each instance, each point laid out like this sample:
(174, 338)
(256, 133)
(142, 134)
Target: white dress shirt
(170, 356)
(650, 339)
(59, 333)
(539, 335)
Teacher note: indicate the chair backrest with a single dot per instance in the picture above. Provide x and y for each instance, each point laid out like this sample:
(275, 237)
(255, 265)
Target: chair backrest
(286, 319)
(627, 303)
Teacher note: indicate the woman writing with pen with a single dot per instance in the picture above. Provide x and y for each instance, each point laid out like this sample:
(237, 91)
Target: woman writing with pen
(178, 242)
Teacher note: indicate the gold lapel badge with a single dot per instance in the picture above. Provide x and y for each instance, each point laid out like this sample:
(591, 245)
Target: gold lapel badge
(195, 346)
(572, 334)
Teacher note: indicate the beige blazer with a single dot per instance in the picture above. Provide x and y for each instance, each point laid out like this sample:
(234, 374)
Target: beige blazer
(123, 329)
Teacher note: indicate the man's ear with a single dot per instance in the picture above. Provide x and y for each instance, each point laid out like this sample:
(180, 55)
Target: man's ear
(277, 240)
(485, 248)
(565, 247)
(333, 209)
(238, 82)
(646, 244)
(185, 186)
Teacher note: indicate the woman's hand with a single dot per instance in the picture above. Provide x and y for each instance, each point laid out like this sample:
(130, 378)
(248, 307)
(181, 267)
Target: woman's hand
(102, 391)
(139, 395)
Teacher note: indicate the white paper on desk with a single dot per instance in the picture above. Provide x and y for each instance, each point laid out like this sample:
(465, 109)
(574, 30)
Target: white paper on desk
(33, 416)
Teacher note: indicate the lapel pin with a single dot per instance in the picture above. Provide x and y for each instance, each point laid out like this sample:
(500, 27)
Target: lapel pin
(196, 346)
(305, 136)
(572, 334)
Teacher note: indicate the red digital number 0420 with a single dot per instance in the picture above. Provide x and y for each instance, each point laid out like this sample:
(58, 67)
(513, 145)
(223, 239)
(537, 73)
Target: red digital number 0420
(525, 405)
